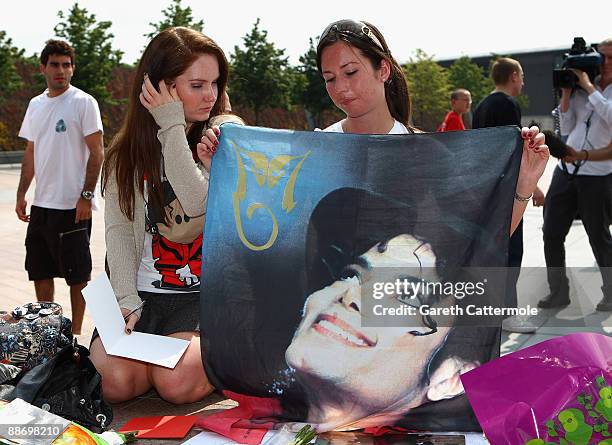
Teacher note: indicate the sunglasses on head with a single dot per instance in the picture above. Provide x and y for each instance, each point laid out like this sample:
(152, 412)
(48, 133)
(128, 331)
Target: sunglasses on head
(351, 28)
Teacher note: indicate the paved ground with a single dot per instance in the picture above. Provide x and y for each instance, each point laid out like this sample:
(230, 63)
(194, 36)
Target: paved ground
(585, 293)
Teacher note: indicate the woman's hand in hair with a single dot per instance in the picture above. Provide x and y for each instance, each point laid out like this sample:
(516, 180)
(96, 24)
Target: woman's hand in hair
(208, 146)
(151, 98)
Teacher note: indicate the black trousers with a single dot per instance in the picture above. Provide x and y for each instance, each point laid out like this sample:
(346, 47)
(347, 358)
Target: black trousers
(591, 197)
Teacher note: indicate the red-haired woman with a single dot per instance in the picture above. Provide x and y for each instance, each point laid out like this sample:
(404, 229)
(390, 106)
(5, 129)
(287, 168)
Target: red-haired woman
(156, 192)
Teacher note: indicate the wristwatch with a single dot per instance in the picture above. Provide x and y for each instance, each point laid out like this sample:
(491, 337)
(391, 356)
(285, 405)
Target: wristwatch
(86, 194)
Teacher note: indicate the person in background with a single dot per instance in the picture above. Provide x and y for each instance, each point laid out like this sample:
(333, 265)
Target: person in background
(461, 101)
(586, 119)
(497, 109)
(64, 153)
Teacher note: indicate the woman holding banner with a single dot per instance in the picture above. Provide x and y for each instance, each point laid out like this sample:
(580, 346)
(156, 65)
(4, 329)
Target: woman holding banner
(156, 197)
(363, 389)
(364, 80)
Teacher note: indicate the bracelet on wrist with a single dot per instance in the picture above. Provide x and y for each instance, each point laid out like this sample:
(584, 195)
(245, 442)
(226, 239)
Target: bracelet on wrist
(520, 198)
(586, 154)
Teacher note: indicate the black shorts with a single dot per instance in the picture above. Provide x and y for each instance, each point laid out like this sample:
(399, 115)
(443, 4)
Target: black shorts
(57, 247)
(165, 314)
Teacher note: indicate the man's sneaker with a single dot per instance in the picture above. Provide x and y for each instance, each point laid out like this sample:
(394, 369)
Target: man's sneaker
(521, 324)
(553, 301)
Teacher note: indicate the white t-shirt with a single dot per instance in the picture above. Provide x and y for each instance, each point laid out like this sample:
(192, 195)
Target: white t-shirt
(398, 128)
(57, 126)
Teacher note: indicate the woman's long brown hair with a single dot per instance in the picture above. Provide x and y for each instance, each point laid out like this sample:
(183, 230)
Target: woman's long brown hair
(135, 150)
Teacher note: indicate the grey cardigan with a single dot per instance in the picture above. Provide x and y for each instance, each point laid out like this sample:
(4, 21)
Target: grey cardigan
(125, 238)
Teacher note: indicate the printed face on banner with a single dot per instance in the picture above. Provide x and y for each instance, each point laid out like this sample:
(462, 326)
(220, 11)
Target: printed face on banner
(305, 230)
(375, 367)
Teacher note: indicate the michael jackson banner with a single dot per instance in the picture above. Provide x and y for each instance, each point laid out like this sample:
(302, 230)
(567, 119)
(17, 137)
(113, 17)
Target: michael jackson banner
(318, 255)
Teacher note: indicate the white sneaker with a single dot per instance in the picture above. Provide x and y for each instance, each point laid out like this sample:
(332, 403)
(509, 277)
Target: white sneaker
(521, 324)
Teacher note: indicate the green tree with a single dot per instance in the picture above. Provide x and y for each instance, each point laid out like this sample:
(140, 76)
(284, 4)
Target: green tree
(175, 15)
(95, 56)
(310, 88)
(429, 89)
(9, 78)
(39, 83)
(464, 73)
(260, 75)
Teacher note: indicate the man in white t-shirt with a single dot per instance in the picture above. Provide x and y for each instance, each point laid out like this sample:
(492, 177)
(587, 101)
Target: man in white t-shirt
(64, 152)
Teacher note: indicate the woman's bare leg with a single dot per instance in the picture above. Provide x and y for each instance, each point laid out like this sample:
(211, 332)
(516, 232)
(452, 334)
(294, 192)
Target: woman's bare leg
(122, 378)
(187, 382)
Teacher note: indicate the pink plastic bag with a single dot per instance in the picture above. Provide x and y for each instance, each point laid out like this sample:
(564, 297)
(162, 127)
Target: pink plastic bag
(556, 392)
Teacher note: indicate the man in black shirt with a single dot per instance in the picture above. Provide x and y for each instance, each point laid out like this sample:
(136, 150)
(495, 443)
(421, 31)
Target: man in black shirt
(497, 109)
(500, 107)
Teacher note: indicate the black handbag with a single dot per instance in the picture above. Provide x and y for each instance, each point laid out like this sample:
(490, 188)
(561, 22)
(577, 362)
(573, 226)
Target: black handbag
(67, 385)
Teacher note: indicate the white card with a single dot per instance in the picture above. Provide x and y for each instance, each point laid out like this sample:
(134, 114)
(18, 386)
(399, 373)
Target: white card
(104, 309)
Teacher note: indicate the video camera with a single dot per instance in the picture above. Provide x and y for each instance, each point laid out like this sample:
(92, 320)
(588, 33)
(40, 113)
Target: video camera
(581, 57)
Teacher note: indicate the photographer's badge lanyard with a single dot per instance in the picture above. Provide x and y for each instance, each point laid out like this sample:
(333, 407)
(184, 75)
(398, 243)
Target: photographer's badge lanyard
(585, 144)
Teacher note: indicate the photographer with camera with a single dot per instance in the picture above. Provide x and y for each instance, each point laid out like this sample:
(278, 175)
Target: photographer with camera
(582, 187)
